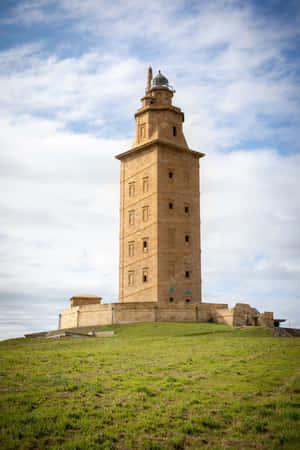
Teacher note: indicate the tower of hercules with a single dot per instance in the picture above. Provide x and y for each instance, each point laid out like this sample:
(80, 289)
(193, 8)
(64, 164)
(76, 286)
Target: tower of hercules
(160, 206)
(160, 265)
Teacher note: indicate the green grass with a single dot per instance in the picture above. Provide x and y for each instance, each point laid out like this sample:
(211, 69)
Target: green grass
(152, 386)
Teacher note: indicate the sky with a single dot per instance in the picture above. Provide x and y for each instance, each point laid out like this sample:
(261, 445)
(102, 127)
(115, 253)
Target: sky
(72, 74)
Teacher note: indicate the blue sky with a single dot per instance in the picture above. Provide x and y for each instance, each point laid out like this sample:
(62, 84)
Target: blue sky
(72, 74)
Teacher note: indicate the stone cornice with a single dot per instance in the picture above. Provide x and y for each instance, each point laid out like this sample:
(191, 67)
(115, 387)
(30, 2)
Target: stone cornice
(171, 108)
(158, 141)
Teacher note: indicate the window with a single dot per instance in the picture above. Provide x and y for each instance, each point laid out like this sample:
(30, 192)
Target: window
(131, 248)
(174, 131)
(171, 299)
(145, 245)
(187, 238)
(170, 174)
(172, 270)
(131, 189)
(145, 213)
(131, 217)
(131, 278)
(187, 300)
(187, 274)
(186, 210)
(142, 131)
(145, 184)
(170, 205)
(145, 275)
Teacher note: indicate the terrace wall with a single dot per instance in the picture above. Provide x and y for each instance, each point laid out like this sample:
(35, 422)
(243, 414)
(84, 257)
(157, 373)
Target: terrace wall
(121, 313)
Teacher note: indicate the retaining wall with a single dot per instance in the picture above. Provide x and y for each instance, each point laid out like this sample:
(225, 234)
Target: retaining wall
(121, 313)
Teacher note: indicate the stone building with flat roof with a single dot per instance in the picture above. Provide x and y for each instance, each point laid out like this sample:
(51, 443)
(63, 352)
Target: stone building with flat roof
(160, 245)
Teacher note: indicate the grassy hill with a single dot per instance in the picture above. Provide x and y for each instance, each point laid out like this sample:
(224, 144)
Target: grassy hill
(152, 386)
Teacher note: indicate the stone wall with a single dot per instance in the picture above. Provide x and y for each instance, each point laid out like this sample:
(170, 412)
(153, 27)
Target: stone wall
(223, 315)
(244, 314)
(86, 315)
(80, 300)
(134, 312)
(121, 313)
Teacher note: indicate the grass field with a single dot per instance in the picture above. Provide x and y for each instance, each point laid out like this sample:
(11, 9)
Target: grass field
(152, 386)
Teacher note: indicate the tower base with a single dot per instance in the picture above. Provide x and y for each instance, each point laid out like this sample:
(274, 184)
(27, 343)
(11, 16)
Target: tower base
(124, 313)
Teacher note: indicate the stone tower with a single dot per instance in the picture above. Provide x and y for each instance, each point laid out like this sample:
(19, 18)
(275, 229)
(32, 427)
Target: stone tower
(159, 206)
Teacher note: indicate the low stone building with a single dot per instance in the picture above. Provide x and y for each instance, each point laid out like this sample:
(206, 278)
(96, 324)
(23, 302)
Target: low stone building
(160, 245)
(85, 299)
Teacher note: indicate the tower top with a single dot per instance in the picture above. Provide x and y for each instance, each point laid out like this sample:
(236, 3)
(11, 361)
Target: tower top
(158, 121)
(160, 81)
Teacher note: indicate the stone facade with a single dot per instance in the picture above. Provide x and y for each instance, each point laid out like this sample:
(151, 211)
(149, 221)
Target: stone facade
(133, 312)
(85, 299)
(160, 253)
(160, 208)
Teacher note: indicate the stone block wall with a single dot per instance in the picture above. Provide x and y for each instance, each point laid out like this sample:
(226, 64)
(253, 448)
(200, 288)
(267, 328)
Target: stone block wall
(134, 312)
(85, 300)
(121, 313)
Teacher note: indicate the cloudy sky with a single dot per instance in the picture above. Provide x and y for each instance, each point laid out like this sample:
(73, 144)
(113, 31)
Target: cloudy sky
(72, 75)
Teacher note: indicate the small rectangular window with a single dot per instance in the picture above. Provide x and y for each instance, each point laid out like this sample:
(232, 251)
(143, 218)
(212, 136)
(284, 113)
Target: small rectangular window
(187, 274)
(131, 248)
(145, 245)
(187, 300)
(170, 205)
(142, 131)
(145, 275)
(171, 299)
(187, 238)
(172, 270)
(131, 189)
(145, 184)
(186, 210)
(174, 131)
(131, 278)
(145, 213)
(170, 174)
(131, 217)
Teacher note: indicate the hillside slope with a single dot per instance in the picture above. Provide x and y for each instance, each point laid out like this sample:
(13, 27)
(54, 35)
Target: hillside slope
(151, 386)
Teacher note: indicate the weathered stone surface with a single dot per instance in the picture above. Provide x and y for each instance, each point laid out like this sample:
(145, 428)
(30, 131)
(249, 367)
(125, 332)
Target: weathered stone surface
(286, 332)
(103, 333)
(85, 299)
(131, 312)
(160, 208)
(160, 251)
